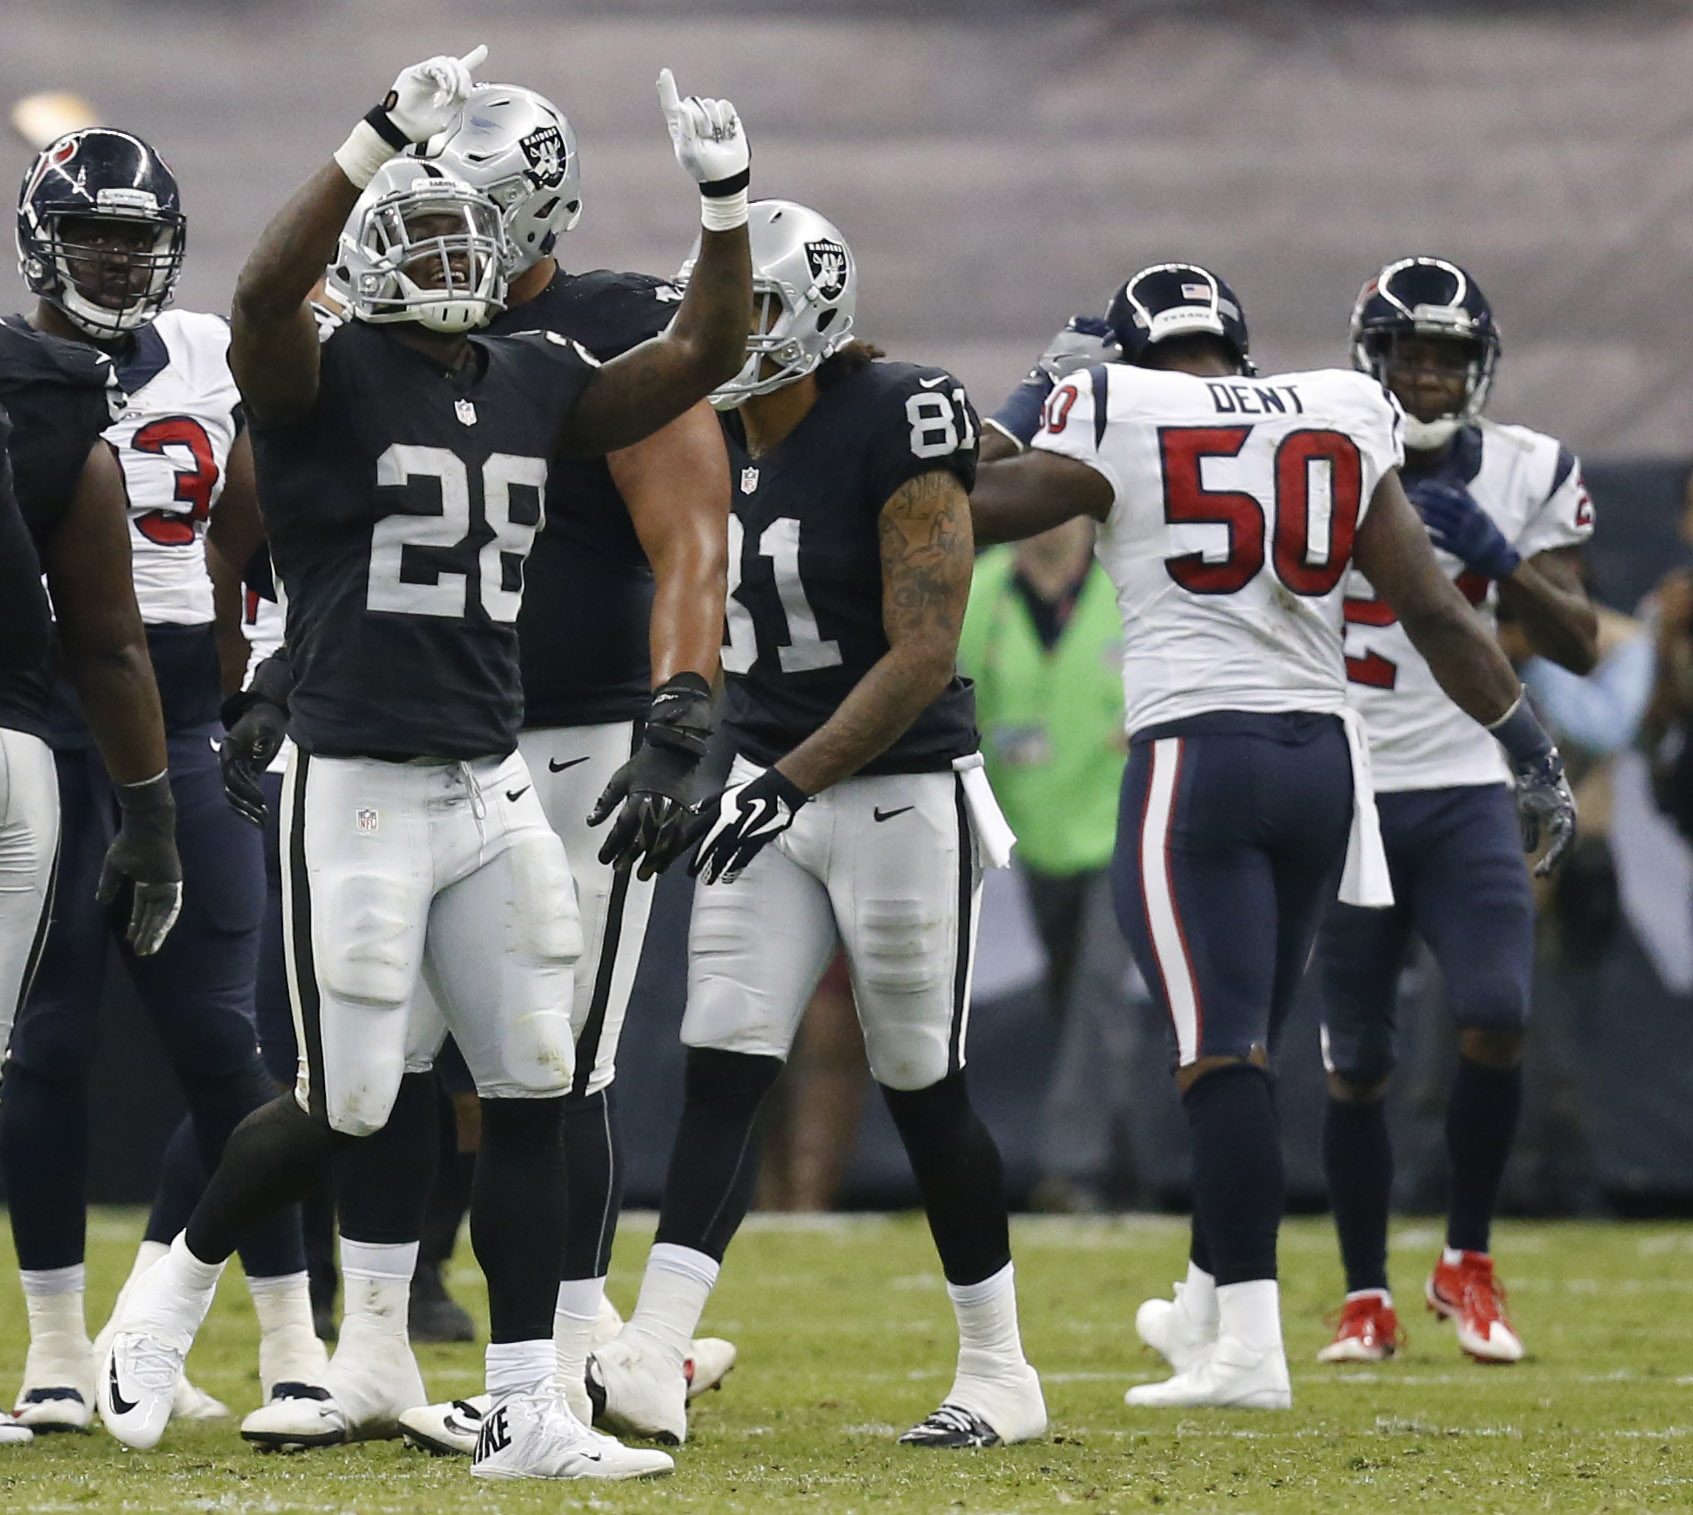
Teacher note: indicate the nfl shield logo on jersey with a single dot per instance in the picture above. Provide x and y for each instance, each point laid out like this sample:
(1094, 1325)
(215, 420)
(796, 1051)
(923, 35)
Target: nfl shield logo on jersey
(465, 411)
(749, 480)
(367, 820)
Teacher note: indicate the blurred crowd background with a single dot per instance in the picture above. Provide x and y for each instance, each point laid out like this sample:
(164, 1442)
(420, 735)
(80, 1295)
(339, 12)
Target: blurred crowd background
(997, 167)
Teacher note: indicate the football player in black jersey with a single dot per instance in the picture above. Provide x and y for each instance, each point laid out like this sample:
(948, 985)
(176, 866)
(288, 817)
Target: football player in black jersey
(62, 508)
(592, 609)
(402, 473)
(856, 816)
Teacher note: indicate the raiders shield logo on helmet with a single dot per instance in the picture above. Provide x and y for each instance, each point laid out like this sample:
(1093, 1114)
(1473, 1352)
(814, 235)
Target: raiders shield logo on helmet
(544, 148)
(828, 263)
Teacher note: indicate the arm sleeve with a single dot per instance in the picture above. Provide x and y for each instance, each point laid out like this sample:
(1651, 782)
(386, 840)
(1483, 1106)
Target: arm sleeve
(1566, 518)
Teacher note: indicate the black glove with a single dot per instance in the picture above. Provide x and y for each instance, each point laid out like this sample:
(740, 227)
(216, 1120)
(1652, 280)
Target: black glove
(257, 721)
(143, 854)
(1084, 341)
(1461, 527)
(737, 822)
(656, 784)
(1545, 802)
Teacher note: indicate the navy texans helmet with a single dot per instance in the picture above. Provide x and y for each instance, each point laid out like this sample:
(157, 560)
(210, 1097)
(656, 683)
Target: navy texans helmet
(103, 175)
(1427, 297)
(1177, 300)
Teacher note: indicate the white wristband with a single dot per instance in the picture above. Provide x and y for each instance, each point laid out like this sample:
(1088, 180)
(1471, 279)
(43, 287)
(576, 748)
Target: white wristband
(363, 153)
(723, 212)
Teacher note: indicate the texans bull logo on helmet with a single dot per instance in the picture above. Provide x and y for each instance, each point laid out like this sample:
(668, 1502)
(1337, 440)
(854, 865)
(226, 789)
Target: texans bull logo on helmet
(544, 150)
(828, 263)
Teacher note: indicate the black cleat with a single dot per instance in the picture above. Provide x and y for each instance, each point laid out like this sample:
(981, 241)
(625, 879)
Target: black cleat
(951, 1426)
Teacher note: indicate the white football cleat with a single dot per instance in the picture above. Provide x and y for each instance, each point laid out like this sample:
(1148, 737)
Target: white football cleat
(446, 1430)
(1230, 1374)
(633, 1391)
(370, 1382)
(13, 1433)
(194, 1403)
(1166, 1327)
(708, 1363)
(58, 1387)
(137, 1389)
(1468, 1294)
(984, 1412)
(536, 1436)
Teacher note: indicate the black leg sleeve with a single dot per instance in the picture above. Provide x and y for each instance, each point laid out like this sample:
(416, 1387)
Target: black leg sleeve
(518, 1214)
(382, 1184)
(594, 1156)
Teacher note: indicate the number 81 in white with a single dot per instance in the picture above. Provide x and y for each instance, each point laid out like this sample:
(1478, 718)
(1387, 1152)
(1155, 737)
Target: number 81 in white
(940, 425)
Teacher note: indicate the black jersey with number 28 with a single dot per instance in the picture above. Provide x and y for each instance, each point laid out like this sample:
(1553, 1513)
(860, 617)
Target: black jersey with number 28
(400, 512)
(805, 566)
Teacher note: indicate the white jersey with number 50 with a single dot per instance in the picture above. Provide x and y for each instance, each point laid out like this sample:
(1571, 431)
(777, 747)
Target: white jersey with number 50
(1236, 504)
(1532, 489)
(173, 445)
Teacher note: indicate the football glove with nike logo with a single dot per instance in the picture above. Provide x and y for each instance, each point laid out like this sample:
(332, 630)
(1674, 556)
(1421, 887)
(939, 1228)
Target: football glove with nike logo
(257, 721)
(735, 824)
(655, 787)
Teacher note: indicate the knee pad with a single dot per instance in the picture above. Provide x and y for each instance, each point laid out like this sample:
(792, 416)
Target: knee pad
(894, 947)
(538, 1052)
(544, 925)
(364, 949)
(1361, 1057)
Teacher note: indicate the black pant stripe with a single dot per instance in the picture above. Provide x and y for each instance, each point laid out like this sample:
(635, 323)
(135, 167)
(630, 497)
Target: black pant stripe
(309, 1006)
(961, 948)
(611, 939)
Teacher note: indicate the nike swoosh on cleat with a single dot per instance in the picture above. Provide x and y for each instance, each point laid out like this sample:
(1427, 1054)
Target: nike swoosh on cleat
(554, 766)
(119, 1403)
(888, 815)
(514, 795)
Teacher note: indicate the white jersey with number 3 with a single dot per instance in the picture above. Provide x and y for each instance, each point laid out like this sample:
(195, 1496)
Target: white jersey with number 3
(1236, 502)
(1532, 489)
(173, 445)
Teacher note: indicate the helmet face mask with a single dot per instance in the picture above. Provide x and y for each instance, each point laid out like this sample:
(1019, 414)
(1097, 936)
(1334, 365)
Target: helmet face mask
(516, 147)
(1424, 330)
(1169, 300)
(101, 233)
(805, 295)
(420, 246)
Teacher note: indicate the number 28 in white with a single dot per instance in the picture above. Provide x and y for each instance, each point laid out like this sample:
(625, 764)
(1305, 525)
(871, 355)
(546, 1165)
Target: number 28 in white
(448, 594)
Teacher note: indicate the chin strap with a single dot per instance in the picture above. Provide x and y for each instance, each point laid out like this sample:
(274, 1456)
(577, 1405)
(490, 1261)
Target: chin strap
(1425, 436)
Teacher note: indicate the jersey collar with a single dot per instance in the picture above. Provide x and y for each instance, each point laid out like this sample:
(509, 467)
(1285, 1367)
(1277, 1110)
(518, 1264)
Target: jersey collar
(1458, 462)
(147, 358)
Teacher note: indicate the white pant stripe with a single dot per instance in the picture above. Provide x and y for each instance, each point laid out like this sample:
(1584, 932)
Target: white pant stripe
(1158, 896)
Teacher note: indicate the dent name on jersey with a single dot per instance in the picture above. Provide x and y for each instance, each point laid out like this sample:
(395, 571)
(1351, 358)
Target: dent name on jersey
(1253, 399)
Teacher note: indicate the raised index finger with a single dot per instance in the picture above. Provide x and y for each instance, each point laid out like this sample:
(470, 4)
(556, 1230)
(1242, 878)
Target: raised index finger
(476, 57)
(668, 100)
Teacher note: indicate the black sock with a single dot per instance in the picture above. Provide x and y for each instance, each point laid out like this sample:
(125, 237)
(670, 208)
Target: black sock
(1358, 1159)
(273, 1158)
(449, 1194)
(714, 1163)
(1237, 1171)
(182, 1180)
(382, 1183)
(518, 1214)
(1197, 1252)
(959, 1174)
(1481, 1120)
(594, 1156)
(44, 1146)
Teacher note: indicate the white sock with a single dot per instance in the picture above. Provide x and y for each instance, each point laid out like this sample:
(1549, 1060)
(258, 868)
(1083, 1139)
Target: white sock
(1452, 1256)
(280, 1301)
(1250, 1313)
(173, 1296)
(53, 1299)
(289, 1351)
(988, 1340)
(376, 1285)
(1198, 1299)
(1384, 1295)
(148, 1253)
(518, 1367)
(674, 1289)
(574, 1315)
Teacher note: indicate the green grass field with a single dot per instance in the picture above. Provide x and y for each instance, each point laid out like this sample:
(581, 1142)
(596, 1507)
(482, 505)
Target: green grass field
(846, 1338)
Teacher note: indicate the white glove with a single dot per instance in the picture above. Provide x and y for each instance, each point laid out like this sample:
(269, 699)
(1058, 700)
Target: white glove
(712, 147)
(427, 100)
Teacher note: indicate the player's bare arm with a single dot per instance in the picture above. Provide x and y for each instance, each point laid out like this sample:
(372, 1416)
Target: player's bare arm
(1032, 492)
(1394, 554)
(927, 554)
(234, 534)
(102, 644)
(676, 485)
(1548, 600)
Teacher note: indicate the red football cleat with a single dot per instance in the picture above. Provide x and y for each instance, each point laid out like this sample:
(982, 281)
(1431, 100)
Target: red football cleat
(1467, 1293)
(1369, 1331)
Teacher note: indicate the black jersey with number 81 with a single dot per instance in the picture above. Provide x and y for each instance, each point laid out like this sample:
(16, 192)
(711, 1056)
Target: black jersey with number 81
(400, 512)
(804, 618)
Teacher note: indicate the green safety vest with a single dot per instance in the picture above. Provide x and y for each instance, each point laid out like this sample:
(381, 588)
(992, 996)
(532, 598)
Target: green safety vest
(1051, 722)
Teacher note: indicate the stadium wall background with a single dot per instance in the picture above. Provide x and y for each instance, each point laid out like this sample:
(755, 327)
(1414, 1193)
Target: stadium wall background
(996, 166)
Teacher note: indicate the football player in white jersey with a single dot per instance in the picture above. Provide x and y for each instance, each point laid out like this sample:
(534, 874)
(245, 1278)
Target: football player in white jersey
(1507, 512)
(1231, 509)
(101, 235)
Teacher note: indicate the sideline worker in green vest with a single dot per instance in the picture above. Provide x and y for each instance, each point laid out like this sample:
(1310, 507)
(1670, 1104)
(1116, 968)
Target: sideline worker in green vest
(1043, 641)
